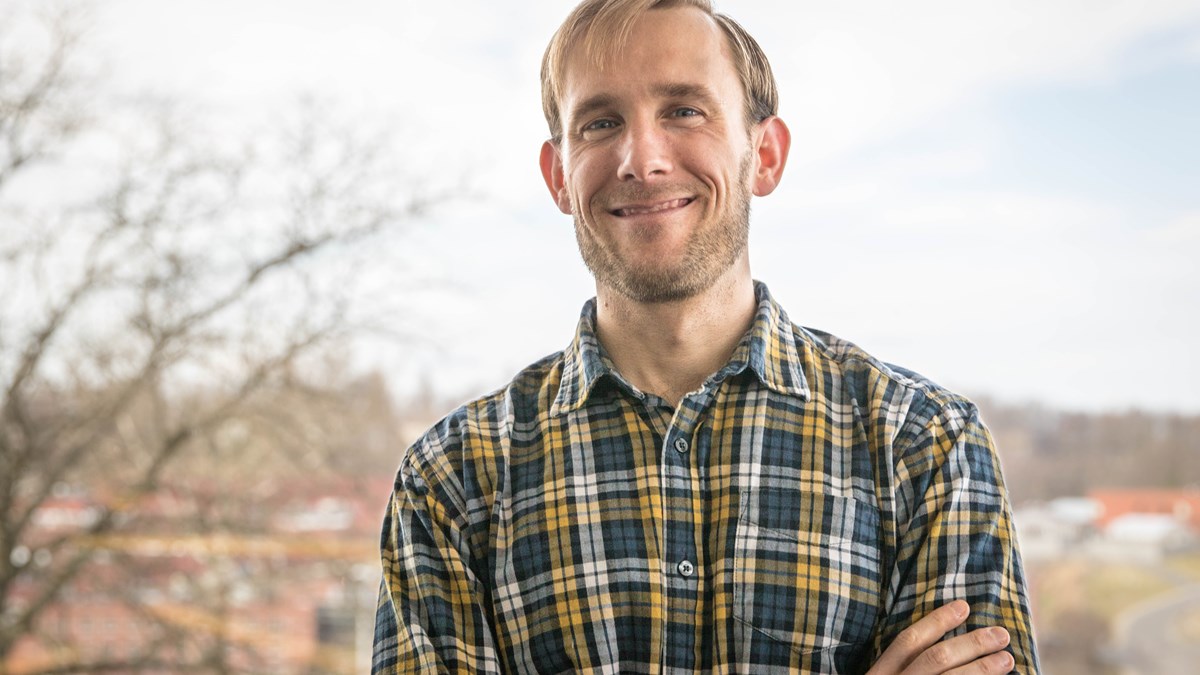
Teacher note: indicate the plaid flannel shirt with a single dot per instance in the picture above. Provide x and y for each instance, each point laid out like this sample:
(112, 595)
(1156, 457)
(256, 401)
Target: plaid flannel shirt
(795, 513)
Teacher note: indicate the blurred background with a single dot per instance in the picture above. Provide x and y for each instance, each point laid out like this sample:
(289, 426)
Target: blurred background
(250, 250)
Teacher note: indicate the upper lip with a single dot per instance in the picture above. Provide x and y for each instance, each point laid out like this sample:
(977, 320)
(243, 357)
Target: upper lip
(641, 208)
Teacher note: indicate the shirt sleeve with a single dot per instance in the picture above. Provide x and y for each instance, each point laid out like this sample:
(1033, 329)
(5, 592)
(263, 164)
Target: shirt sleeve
(432, 614)
(955, 535)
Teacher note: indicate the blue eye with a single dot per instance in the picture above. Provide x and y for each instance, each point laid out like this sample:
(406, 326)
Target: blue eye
(685, 112)
(600, 125)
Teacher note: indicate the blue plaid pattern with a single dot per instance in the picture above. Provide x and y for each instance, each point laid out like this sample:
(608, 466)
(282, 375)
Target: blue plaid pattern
(794, 514)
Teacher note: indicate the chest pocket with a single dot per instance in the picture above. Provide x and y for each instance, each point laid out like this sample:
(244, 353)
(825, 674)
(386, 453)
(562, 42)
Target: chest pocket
(806, 575)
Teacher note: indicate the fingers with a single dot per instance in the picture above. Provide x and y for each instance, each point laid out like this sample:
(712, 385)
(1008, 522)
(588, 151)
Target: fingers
(976, 653)
(993, 664)
(919, 637)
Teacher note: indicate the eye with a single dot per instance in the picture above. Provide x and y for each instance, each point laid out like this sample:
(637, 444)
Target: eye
(685, 112)
(600, 125)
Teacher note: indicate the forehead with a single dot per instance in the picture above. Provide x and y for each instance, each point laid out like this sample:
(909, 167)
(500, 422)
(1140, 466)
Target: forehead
(676, 45)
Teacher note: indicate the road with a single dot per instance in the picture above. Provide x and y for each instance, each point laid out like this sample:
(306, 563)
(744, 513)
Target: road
(1155, 638)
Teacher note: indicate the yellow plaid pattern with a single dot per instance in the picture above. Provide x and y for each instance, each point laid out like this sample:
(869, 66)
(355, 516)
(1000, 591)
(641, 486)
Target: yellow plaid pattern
(794, 514)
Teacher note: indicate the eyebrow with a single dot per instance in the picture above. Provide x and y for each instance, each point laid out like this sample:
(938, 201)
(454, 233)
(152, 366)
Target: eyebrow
(591, 104)
(685, 90)
(670, 90)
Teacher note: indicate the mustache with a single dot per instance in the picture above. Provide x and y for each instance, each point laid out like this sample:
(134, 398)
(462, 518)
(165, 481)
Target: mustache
(634, 194)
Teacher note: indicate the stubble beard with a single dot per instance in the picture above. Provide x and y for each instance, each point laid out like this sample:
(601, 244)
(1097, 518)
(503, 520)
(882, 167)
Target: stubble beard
(708, 253)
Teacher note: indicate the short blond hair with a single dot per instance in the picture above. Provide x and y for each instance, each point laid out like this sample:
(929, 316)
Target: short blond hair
(601, 27)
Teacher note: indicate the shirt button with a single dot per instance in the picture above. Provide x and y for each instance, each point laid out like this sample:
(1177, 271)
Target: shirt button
(681, 445)
(686, 568)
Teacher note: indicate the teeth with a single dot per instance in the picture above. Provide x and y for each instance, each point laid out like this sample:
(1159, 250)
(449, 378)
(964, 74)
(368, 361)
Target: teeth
(641, 211)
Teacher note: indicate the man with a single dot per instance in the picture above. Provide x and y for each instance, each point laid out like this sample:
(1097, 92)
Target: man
(694, 484)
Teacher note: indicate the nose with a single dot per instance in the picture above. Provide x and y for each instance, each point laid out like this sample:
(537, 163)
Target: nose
(644, 153)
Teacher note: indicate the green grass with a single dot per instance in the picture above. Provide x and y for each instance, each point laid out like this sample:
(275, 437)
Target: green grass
(1110, 589)
(1187, 565)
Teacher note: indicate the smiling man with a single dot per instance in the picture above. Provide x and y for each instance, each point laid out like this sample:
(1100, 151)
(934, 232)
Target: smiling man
(694, 483)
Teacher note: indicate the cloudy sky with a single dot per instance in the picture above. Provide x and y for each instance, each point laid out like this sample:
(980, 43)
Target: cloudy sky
(1004, 196)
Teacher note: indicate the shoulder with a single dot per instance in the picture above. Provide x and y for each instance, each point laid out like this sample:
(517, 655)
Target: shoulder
(921, 431)
(895, 400)
(477, 432)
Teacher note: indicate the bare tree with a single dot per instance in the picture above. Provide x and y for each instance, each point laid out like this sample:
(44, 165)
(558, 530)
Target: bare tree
(166, 299)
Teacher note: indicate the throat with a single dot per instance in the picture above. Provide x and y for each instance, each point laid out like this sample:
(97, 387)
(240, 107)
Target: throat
(670, 349)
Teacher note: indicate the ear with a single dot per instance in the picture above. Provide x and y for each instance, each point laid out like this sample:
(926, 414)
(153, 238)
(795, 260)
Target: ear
(552, 172)
(771, 153)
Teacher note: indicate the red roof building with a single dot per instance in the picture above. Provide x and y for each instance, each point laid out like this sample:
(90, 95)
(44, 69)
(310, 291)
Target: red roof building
(1183, 505)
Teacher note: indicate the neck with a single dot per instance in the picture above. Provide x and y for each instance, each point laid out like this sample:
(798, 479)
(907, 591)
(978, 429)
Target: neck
(670, 348)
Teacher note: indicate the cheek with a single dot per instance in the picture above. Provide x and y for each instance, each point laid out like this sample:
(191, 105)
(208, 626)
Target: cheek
(710, 163)
(584, 182)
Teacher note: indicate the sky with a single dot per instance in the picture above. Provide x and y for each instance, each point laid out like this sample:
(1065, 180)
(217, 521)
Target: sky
(1004, 197)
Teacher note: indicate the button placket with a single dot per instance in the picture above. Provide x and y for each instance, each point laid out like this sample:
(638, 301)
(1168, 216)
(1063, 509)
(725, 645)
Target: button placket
(681, 536)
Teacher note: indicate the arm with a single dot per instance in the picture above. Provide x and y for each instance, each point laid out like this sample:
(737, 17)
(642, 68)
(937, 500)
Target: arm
(955, 537)
(432, 614)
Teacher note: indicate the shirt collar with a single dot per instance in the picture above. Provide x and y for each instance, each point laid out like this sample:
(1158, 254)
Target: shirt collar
(769, 349)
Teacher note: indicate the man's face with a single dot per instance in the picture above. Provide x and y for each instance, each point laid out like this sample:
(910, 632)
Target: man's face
(656, 160)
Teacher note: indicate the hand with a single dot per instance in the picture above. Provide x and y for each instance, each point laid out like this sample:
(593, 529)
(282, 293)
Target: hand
(919, 649)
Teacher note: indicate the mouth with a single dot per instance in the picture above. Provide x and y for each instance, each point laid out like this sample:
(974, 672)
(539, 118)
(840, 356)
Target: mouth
(649, 209)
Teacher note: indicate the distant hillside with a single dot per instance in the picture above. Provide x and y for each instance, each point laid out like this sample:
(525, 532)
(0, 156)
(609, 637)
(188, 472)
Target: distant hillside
(1048, 453)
